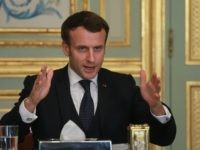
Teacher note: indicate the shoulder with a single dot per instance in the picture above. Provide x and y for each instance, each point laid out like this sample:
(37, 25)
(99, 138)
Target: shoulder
(109, 73)
(112, 76)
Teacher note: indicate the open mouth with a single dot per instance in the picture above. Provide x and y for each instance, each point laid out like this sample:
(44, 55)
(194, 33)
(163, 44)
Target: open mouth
(89, 68)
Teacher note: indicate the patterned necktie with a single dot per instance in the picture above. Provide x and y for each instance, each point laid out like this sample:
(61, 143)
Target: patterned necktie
(86, 111)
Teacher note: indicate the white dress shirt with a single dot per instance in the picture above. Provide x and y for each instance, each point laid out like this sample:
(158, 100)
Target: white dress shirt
(77, 92)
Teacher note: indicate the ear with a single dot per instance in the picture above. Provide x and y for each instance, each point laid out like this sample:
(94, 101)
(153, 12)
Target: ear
(65, 48)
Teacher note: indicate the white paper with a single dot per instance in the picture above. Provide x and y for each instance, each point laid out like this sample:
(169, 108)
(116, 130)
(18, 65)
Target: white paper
(71, 132)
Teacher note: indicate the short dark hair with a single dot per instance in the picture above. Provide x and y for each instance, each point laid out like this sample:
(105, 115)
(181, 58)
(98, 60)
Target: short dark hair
(89, 20)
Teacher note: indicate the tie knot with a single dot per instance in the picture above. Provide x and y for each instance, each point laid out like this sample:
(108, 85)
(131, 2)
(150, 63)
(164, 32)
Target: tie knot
(85, 84)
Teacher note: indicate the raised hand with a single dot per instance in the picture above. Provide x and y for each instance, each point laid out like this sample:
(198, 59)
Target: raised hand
(40, 88)
(151, 92)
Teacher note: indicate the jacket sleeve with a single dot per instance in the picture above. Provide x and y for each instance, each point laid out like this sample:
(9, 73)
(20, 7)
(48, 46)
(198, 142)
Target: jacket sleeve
(160, 134)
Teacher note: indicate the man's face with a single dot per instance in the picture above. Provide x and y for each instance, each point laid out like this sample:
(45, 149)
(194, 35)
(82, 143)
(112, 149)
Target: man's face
(86, 51)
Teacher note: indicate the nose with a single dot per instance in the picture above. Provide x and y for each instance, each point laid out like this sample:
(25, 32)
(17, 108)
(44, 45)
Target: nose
(90, 55)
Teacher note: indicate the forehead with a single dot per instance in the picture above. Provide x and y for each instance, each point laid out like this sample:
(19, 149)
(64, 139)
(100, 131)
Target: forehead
(81, 34)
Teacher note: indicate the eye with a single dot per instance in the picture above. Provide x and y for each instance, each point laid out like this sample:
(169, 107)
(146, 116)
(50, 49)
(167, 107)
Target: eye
(98, 48)
(82, 48)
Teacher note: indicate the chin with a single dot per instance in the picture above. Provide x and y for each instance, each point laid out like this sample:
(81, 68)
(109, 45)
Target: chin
(89, 76)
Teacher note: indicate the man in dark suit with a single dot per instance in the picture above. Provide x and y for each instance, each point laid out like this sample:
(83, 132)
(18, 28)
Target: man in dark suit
(52, 98)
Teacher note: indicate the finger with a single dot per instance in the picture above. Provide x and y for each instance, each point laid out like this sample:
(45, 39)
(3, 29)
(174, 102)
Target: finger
(41, 76)
(155, 86)
(156, 82)
(142, 78)
(44, 70)
(154, 79)
(38, 79)
(151, 88)
(49, 74)
(158, 89)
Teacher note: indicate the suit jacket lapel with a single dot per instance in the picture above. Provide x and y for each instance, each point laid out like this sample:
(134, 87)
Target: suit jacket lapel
(67, 108)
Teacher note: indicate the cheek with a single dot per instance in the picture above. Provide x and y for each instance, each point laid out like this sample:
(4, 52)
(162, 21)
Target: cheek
(100, 58)
(76, 59)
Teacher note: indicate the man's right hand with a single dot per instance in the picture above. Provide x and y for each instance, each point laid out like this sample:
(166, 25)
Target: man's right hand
(40, 88)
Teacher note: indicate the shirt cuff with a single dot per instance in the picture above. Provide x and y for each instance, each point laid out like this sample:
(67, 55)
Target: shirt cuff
(26, 116)
(164, 118)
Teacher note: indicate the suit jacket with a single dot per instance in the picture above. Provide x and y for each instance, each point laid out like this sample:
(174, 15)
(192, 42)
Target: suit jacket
(120, 104)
